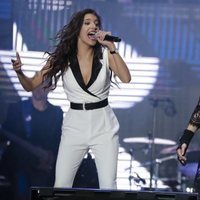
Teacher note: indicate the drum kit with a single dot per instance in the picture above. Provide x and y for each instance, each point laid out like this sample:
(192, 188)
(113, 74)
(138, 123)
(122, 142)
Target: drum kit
(167, 154)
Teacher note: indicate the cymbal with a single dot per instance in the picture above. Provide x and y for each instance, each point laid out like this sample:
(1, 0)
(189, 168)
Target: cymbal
(169, 150)
(172, 150)
(146, 140)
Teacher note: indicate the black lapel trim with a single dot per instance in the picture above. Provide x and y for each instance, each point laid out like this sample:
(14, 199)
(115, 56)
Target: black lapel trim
(74, 65)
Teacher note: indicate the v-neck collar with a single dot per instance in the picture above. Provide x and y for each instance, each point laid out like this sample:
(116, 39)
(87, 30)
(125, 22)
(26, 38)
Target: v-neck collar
(96, 67)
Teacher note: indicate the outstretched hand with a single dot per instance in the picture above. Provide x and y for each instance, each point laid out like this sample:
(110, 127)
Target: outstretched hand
(17, 63)
(181, 151)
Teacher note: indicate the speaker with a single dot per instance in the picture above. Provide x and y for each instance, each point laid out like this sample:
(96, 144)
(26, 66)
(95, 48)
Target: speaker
(98, 194)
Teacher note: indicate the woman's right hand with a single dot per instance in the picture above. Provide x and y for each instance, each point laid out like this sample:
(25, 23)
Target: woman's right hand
(17, 64)
(181, 151)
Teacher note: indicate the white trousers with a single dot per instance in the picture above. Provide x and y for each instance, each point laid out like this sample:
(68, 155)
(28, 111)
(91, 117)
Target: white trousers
(83, 130)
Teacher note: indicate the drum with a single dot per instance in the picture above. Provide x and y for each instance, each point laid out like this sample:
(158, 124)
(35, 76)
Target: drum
(134, 175)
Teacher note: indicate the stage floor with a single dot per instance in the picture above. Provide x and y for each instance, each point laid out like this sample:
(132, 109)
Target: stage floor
(47, 193)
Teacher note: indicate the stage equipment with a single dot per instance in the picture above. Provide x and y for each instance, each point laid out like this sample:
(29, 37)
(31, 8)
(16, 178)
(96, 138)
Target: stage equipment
(193, 157)
(155, 102)
(147, 140)
(192, 153)
(93, 194)
(153, 162)
(186, 173)
(151, 140)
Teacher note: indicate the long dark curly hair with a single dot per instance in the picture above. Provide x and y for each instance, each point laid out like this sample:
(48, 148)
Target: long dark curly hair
(66, 47)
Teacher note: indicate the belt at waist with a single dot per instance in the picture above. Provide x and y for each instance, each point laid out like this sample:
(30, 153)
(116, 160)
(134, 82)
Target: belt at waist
(89, 106)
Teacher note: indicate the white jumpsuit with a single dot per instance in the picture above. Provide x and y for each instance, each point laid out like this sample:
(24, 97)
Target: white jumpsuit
(88, 129)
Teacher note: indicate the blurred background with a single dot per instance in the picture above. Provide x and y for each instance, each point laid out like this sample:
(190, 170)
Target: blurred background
(161, 45)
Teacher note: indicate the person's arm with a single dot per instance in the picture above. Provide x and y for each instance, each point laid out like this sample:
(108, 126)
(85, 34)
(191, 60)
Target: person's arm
(184, 141)
(116, 63)
(29, 84)
(118, 66)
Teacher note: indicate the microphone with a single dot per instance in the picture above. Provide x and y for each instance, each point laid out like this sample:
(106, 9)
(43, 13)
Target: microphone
(112, 38)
